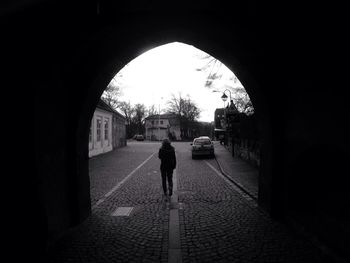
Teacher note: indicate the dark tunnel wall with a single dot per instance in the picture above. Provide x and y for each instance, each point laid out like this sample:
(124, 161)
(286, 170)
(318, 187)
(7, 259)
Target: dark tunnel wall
(290, 69)
(316, 193)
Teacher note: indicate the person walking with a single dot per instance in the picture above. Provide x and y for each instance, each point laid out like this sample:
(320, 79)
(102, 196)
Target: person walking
(168, 163)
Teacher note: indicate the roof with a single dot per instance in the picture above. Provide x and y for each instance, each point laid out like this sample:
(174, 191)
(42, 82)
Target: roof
(104, 106)
(219, 110)
(171, 117)
(162, 116)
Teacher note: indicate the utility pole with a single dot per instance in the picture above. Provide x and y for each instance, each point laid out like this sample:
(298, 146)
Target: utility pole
(159, 122)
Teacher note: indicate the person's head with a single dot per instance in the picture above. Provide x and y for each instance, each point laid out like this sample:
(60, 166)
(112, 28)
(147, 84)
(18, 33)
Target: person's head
(165, 142)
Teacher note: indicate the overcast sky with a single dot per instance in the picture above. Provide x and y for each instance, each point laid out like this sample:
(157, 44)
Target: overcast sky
(152, 77)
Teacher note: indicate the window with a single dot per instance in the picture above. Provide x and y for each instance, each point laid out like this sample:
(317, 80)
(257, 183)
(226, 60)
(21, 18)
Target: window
(98, 129)
(106, 128)
(90, 134)
(202, 142)
(152, 122)
(161, 122)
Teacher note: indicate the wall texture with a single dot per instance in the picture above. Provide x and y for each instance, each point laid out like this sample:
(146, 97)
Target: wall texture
(289, 59)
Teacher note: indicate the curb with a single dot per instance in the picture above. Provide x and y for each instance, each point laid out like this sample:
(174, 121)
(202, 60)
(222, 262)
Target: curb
(241, 187)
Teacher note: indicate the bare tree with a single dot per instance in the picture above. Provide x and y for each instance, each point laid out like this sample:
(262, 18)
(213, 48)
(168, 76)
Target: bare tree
(152, 110)
(128, 111)
(112, 92)
(135, 117)
(213, 67)
(186, 111)
(139, 117)
(175, 104)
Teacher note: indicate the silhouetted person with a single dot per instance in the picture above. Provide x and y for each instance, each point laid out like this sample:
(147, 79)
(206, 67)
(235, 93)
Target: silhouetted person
(168, 163)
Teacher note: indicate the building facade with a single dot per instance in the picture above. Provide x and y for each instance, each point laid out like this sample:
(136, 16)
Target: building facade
(162, 126)
(107, 130)
(220, 125)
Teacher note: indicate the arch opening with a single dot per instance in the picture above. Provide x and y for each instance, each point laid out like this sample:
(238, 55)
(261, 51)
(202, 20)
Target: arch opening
(163, 93)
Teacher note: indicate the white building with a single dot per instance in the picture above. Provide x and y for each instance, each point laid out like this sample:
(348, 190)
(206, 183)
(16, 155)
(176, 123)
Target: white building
(162, 126)
(107, 130)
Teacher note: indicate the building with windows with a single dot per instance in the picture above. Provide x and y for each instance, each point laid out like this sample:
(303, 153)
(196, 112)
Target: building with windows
(107, 130)
(220, 125)
(162, 126)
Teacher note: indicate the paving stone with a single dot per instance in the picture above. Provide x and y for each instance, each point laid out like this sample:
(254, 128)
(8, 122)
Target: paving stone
(217, 223)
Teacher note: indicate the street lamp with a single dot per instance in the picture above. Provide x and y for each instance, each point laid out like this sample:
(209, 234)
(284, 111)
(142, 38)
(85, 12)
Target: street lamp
(228, 116)
(224, 96)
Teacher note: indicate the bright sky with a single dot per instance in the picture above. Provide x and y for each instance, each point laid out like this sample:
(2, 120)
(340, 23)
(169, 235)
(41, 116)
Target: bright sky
(152, 77)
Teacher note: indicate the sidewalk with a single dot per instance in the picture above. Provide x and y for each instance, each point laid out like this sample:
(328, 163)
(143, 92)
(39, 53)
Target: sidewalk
(246, 176)
(242, 173)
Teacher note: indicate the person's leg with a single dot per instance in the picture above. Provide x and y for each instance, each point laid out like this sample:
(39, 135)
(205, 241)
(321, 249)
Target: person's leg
(170, 181)
(164, 176)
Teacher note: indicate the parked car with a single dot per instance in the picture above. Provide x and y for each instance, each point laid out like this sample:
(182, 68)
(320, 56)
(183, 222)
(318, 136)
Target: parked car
(202, 146)
(139, 137)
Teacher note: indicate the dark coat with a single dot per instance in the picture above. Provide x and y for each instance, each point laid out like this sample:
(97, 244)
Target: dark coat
(167, 156)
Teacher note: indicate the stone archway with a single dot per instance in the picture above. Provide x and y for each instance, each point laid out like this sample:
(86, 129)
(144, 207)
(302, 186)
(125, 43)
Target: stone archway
(86, 57)
(290, 62)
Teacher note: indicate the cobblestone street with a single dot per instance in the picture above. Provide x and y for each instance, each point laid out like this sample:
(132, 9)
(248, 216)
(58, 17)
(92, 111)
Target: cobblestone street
(217, 222)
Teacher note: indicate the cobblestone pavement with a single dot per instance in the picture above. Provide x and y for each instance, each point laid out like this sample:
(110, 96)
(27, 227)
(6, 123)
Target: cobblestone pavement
(140, 237)
(110, 168)
(217, 223)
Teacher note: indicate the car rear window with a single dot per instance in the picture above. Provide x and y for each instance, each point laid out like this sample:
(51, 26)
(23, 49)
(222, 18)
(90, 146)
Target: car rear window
(202, 142)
